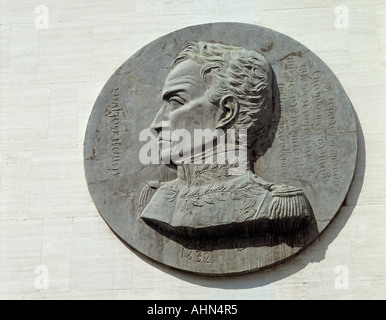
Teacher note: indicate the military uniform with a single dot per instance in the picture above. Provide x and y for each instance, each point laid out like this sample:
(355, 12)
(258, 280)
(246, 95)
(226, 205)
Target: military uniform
(212, 203)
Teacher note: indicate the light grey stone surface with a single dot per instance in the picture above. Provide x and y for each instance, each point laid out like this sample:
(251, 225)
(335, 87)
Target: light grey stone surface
(313, 148)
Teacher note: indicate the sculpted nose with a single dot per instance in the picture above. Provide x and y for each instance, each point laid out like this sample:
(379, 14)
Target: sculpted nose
(160, 117)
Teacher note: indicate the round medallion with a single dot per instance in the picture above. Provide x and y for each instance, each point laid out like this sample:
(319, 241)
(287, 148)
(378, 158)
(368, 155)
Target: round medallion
(220, 149)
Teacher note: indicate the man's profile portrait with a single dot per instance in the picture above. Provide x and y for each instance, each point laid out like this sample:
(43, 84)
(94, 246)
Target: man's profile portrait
(213, 86)
(221, 149)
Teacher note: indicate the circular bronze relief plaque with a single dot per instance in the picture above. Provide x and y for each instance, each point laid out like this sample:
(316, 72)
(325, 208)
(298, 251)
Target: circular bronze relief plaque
(203, 217)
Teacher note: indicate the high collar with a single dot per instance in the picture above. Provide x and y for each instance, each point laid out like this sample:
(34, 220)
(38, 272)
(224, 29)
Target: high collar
(201, 174)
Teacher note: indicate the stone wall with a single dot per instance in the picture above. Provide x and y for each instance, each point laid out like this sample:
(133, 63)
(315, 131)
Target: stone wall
(55, 56)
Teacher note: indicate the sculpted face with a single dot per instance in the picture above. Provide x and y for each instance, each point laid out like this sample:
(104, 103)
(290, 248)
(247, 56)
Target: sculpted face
(184, 106)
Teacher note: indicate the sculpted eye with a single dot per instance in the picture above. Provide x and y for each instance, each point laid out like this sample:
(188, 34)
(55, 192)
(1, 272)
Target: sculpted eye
(176, 102)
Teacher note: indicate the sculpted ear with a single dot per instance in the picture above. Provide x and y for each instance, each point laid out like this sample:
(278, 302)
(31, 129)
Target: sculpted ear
(230, 110)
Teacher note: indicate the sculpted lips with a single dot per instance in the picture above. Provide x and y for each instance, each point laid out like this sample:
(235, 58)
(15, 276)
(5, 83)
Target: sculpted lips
(164, 144)
(164, 137)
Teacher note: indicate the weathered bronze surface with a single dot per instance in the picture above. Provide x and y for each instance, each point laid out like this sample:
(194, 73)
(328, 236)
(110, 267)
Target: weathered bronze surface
(300, 146)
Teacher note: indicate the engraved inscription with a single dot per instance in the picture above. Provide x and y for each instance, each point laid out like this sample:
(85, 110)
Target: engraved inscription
(195, 256)
(308, 131)
(113, 113)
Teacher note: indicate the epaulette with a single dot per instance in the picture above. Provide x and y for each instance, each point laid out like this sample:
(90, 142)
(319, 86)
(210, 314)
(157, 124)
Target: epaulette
(288, 202)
